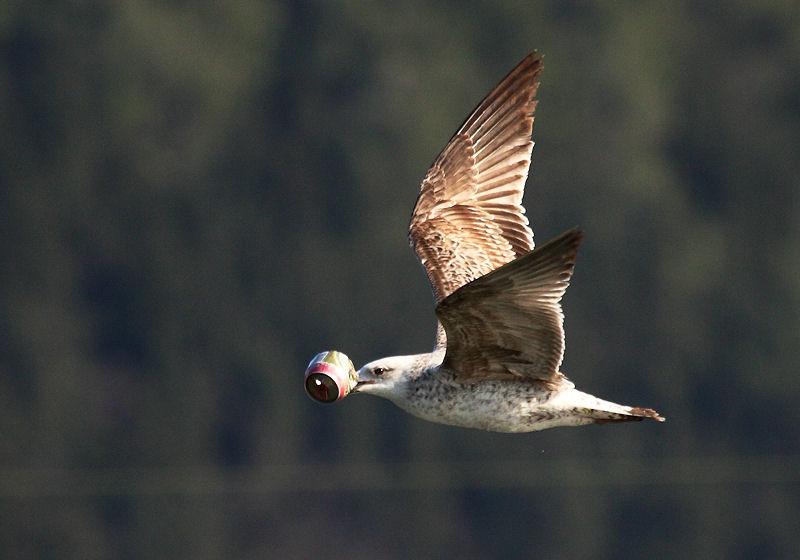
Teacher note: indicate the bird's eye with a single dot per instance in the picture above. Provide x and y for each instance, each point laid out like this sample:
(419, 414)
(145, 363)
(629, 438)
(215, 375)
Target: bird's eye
(379, 371)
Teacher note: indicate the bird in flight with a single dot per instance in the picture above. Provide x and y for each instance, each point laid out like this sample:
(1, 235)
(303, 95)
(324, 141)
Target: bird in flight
(500, 336)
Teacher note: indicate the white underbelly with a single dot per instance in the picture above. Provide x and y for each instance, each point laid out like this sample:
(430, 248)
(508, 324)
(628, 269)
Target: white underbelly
(500, 406)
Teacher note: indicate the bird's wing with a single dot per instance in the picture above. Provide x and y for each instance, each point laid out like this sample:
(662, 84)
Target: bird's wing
(509, 324)
(468, 219)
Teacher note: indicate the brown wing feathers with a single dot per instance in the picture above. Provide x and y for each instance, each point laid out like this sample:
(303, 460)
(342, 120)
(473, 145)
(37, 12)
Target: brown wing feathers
(468, 219)
(509, 323)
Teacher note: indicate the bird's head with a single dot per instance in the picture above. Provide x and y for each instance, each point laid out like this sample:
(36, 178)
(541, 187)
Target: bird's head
(385, 377)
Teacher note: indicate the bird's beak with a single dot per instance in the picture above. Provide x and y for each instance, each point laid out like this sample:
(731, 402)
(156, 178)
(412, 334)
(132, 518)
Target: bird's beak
(364, 378)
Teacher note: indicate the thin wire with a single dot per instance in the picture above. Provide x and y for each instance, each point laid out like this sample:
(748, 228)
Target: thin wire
(194, 481)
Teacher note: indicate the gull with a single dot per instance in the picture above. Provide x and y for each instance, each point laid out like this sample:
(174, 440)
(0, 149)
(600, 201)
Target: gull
(500, 338)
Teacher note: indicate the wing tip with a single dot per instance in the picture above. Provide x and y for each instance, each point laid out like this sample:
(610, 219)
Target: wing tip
(567, 242)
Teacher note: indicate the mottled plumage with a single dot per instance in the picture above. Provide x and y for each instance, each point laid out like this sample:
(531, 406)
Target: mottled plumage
(500, 340)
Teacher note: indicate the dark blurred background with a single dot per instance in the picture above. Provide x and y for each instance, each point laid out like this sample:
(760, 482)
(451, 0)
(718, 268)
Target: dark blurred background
(197, 197)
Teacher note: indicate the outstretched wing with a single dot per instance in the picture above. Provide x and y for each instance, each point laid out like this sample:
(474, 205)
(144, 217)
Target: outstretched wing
(509, 324)
(468, 219)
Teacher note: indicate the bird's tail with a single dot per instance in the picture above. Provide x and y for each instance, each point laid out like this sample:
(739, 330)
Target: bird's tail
(606, 412)
(633, 414)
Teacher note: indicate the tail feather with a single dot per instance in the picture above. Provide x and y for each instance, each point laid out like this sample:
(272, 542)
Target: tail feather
(633, 414)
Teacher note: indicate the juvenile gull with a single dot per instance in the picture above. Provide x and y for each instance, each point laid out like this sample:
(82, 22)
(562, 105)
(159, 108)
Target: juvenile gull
(500, 338)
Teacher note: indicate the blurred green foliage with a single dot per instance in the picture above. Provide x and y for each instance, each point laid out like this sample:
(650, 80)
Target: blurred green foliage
(196, 198)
